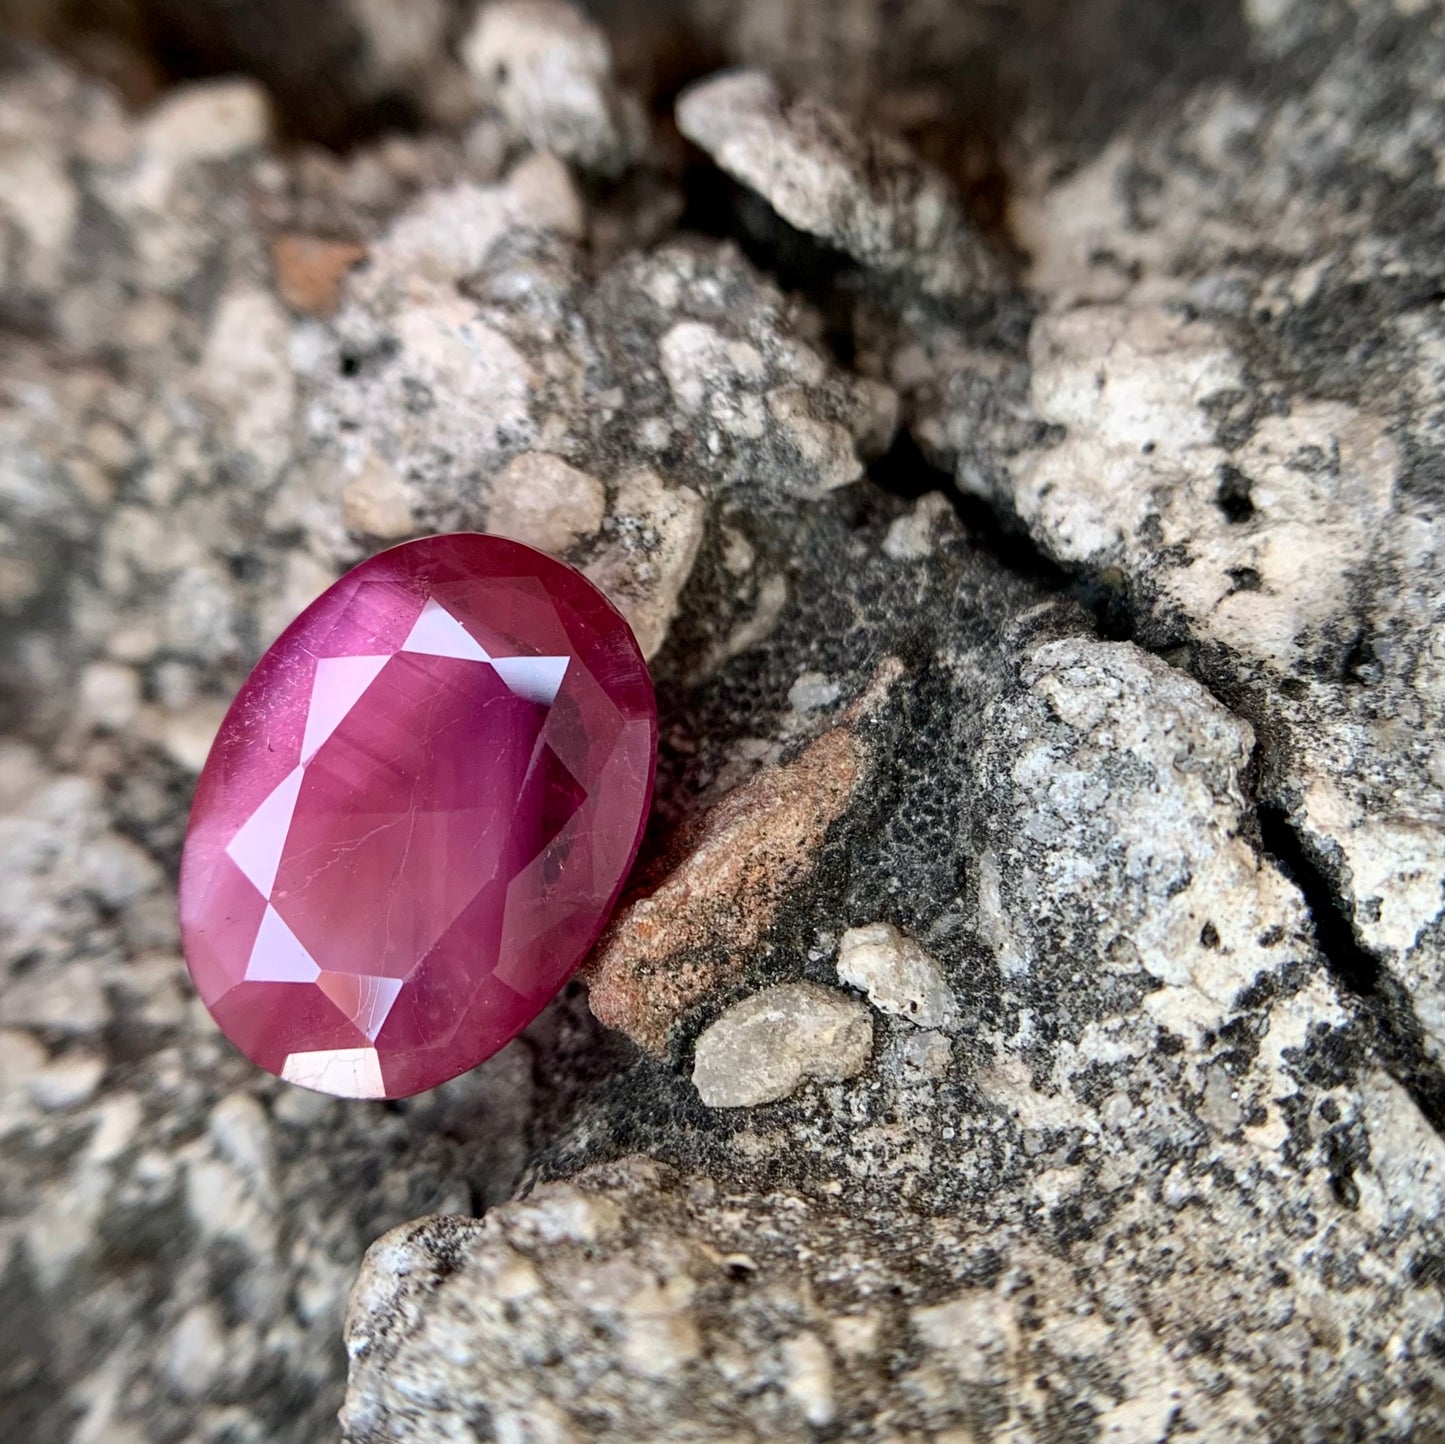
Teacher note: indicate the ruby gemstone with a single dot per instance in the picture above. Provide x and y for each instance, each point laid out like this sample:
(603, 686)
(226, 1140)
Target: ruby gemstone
(417, 816)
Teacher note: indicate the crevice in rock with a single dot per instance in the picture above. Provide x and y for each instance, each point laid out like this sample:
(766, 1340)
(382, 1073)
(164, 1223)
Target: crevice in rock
(1386, 1012)
(904, 471)
(719, 207)
(1385, 1007)
(1356, 967)
(314, 61)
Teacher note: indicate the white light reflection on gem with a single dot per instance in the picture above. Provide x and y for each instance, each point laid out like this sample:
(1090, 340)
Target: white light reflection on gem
(436, 633)
(278, 956)
(342, 1072)
(256, 848)
(536, 678)
(337, 688)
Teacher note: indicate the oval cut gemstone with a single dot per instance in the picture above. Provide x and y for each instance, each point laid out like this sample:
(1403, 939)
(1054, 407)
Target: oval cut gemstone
(417, 816)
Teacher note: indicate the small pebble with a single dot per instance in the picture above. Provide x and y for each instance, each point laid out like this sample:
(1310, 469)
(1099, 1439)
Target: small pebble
(765, 1047)
(899, 975)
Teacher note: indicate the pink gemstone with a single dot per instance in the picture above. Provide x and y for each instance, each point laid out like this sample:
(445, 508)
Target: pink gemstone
(417, 816)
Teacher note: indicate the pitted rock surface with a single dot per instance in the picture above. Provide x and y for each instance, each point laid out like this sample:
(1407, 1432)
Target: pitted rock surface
(1182, 408)
(1162, 1155)
(1155, 1166)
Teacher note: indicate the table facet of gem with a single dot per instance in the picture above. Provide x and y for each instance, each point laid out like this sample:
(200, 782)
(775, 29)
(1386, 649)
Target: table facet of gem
(417, 816)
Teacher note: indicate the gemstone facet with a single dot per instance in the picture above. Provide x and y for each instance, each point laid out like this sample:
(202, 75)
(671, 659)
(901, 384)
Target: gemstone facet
(417, 816)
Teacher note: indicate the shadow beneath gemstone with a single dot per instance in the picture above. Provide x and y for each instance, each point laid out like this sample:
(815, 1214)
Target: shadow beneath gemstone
(573, 1058)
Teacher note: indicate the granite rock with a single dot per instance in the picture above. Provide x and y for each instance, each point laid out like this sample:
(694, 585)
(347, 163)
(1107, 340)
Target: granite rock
(1281, 519)
(550, 70)
(1164, 1157)
(858, 192)
(1159, 1165)
(1182, 407)
(189, 455)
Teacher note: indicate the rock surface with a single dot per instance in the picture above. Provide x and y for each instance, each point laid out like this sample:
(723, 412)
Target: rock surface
(1183, 426)
(1159, 1150)
(1227, 415)
(550, 71)
(1156, 1169)
(860, 193)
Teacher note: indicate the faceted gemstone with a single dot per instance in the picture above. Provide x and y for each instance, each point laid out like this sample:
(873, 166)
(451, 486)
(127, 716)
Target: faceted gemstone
(417, 816)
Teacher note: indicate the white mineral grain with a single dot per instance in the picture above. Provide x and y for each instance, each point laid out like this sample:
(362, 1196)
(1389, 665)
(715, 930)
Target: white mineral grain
(768, 1045)
(549, 70)
(898, 973)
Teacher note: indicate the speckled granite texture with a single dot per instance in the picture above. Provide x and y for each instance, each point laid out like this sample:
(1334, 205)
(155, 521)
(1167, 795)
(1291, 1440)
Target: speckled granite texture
(1015, 432)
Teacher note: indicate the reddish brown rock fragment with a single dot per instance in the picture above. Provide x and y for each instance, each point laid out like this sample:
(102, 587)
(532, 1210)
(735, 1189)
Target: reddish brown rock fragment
(310, 271)
(665, 952)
